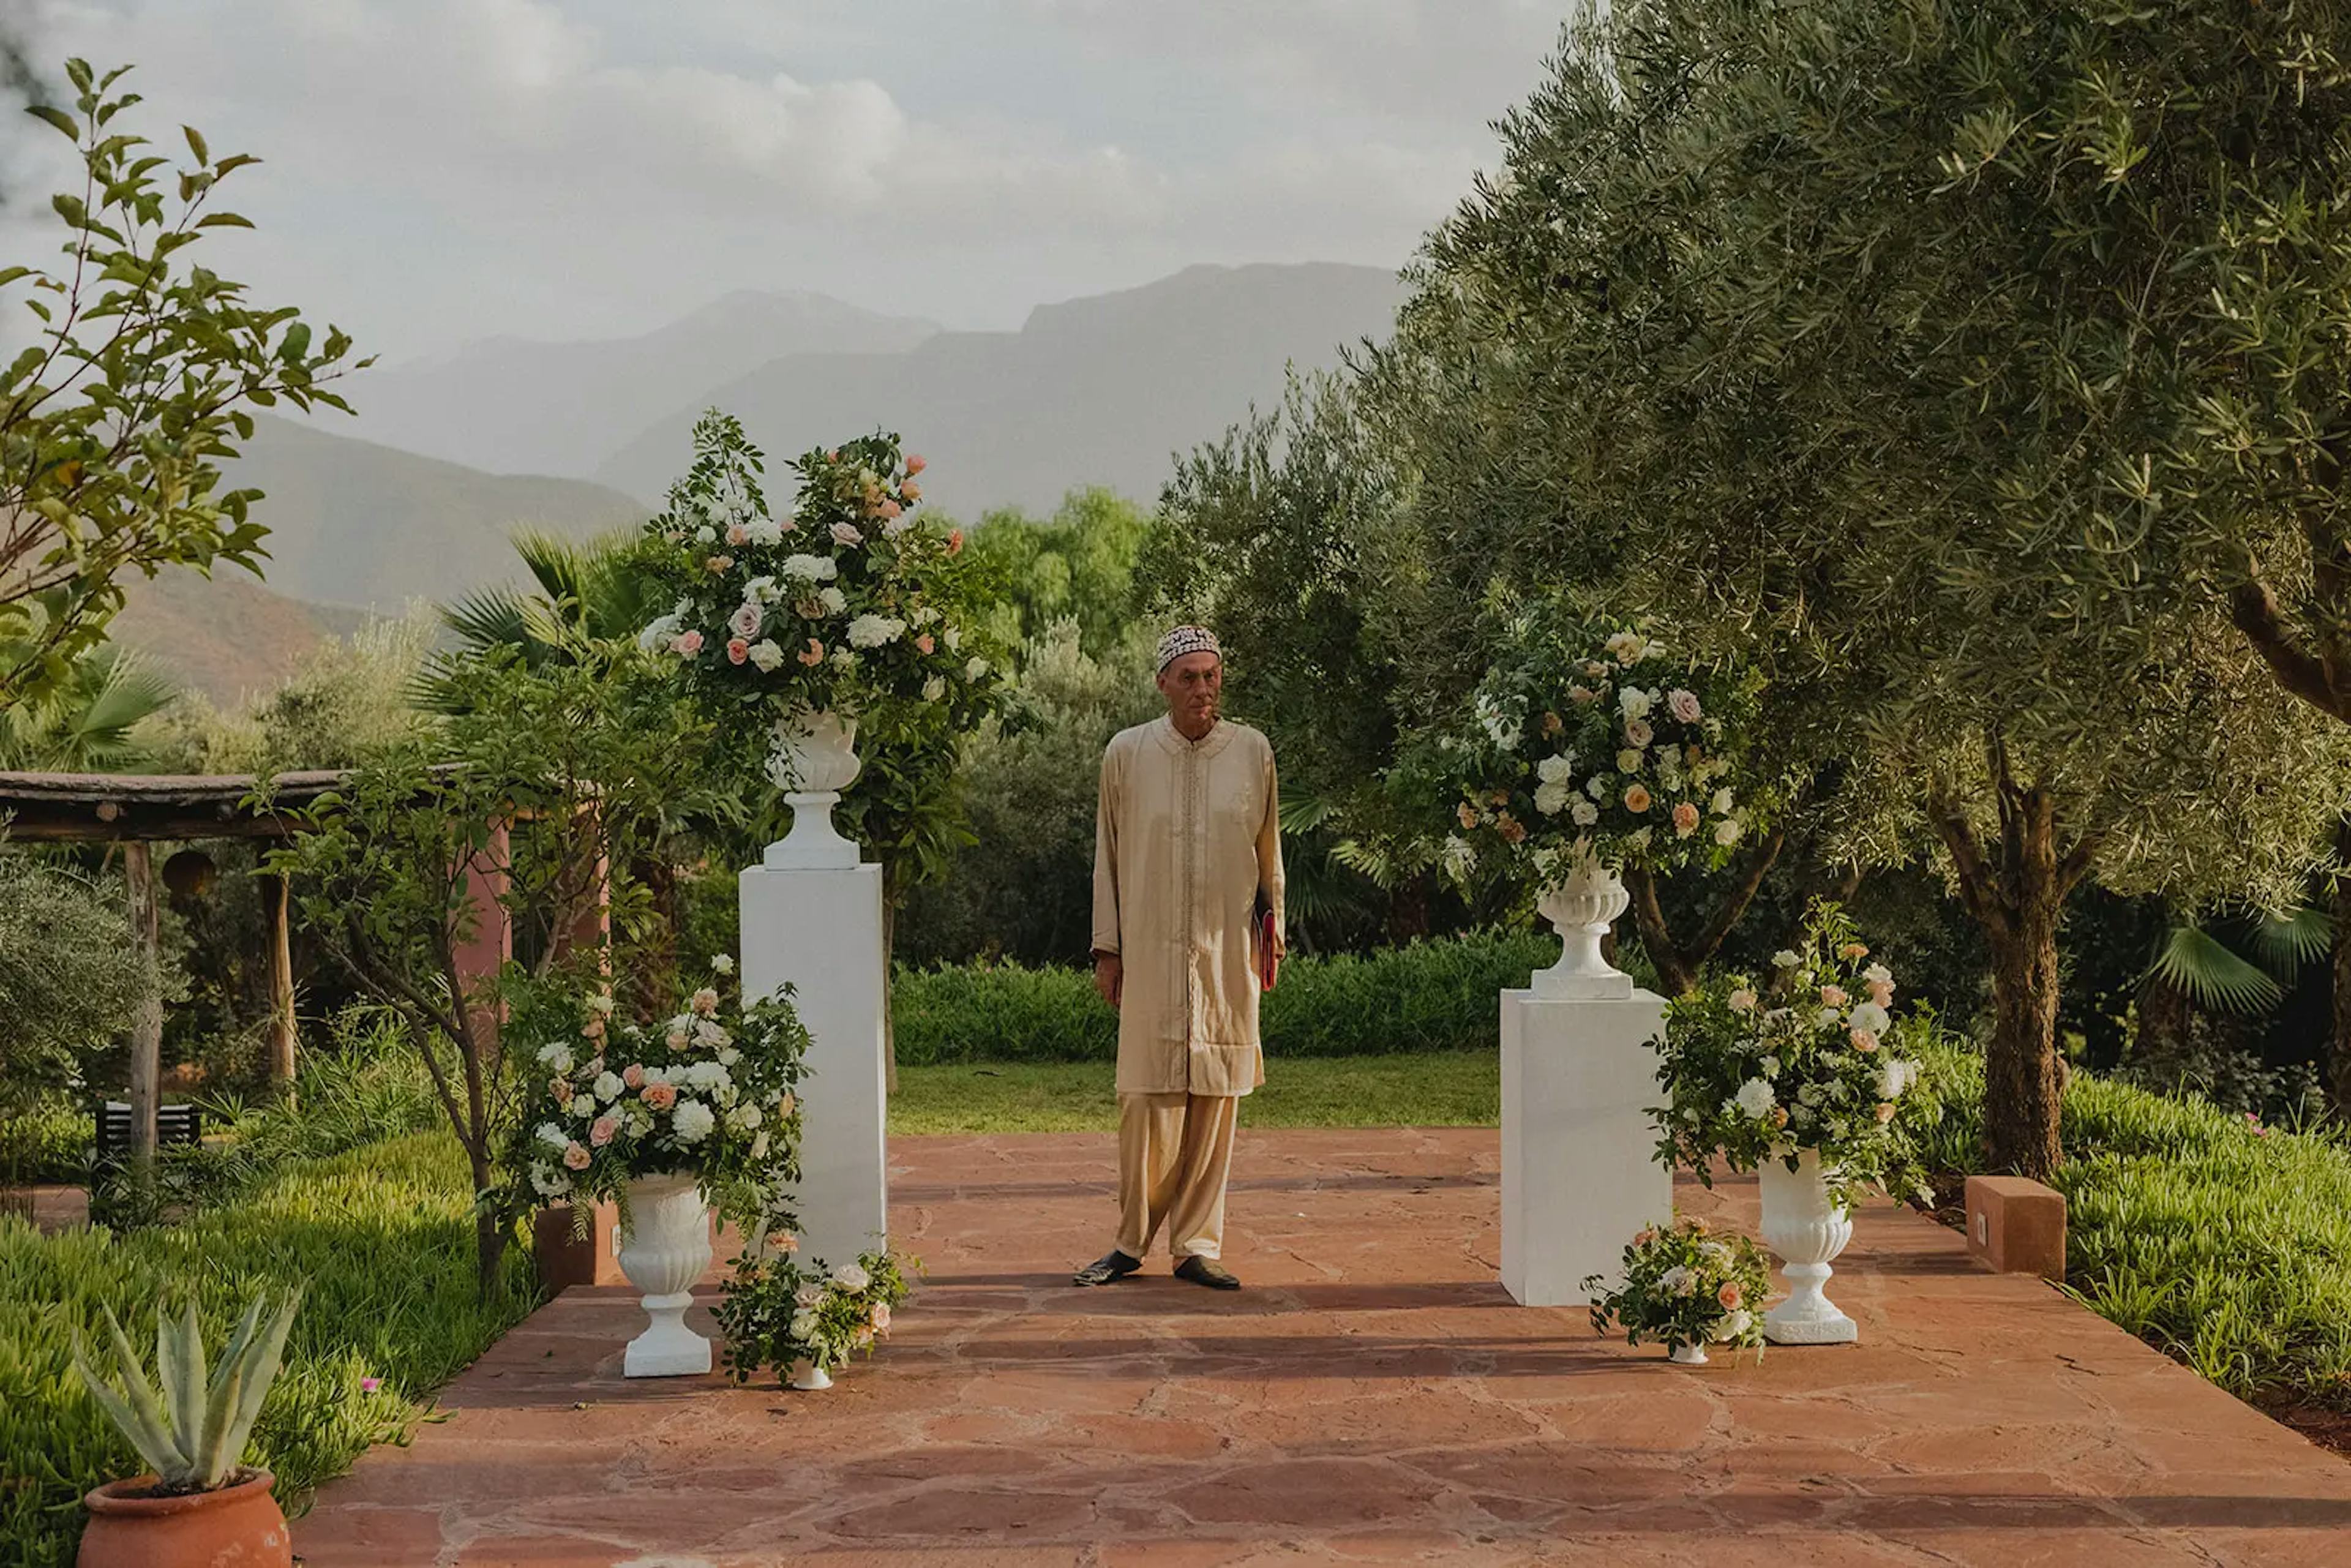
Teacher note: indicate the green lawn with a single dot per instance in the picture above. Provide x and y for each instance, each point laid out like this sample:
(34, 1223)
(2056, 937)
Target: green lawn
(1444, 1089)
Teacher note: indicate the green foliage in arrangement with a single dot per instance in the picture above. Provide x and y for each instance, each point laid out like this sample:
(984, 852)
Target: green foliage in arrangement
(141, 377)
(1434, 995)
(1685, 1286)
(777, 1311)
(190, 1425)
(381, 1242)
(2221, 1241)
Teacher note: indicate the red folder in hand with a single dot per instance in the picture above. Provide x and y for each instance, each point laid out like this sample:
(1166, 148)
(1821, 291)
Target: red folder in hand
(1268, 963)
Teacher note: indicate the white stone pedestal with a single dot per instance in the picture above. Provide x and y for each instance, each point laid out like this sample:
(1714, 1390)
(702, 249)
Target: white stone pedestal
(820, 929)
(1578, 1179)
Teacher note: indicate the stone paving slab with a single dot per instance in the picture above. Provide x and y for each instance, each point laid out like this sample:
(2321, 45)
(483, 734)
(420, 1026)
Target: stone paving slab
(1373, 1398)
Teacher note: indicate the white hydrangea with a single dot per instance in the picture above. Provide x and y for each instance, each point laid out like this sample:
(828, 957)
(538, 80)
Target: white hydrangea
(763, 531)
(834, 601)
(609, 1086)
(761, 590)
(1878, 975)
(810, 568)
(549, 1183)
(692, 1121)
(1871, 1017)
(1783, 959)
(556, 1057)
(871, 631)
(656, 637)
(1755, 1098)
(554, 1137)
(1895, 1078)
(1550, 799)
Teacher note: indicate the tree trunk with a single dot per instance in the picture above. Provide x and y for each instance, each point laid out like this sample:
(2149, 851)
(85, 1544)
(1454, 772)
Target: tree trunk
(1676, 973)
(2021, 1082)
(490, 1233)
(281, 989)
(147, 1023)
(2339, 1066)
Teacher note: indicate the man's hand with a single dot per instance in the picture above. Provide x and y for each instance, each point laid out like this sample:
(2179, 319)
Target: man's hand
(1108, 976)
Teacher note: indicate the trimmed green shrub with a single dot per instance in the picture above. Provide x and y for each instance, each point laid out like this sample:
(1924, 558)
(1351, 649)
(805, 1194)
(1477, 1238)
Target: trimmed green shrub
(48, 1141)
(1430, 996)
(381, 1239)
(2222, 1243)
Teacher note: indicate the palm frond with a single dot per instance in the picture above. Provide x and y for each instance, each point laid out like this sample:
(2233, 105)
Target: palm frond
(490, 618)
(2195, 963)
(2284, 943)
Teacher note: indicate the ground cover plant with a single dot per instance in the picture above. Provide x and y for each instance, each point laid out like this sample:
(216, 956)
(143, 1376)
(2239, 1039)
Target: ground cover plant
(382, 1239)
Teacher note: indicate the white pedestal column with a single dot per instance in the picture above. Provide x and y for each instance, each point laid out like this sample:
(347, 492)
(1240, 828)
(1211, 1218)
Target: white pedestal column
(1578, 1179)
(820, 929)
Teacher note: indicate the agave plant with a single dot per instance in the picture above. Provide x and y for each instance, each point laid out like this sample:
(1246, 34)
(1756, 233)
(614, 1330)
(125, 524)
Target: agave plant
(192, 1430)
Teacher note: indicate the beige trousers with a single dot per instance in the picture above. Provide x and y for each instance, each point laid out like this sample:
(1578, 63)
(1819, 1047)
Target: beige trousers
(1174, 1151)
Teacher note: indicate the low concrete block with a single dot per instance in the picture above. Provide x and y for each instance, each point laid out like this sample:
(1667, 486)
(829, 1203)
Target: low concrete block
(2016, 1226)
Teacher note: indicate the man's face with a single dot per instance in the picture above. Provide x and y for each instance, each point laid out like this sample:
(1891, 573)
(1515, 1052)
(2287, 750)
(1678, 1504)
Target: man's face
(1193, 686)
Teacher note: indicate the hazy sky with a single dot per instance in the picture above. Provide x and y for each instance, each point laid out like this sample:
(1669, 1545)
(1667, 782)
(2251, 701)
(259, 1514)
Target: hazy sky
(438, 171)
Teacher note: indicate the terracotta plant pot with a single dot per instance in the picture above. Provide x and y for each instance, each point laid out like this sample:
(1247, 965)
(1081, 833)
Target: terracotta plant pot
(240, 1524)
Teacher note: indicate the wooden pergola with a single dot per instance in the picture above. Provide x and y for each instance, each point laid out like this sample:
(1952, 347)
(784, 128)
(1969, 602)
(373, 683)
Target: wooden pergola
(137, 811)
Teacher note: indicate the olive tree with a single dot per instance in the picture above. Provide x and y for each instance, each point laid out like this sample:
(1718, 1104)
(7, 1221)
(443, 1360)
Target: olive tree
(1757, 305)
(140, 378)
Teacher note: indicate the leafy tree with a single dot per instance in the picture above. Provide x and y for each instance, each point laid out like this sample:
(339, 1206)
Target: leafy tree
(114, 422)
(1077, 565)
(1758, 307)
(71, 980)
(541, 780)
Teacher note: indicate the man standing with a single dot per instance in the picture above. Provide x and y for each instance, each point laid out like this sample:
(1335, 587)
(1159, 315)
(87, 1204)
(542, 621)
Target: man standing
(1187, 929)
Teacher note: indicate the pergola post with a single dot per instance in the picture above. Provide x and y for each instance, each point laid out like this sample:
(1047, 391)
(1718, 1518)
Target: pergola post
(281, 986)
(480, 958)
(147, 1023)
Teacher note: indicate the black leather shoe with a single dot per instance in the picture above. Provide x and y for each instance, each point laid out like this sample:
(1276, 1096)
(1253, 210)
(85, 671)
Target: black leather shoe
(1108, 1268)
(1207, 1271)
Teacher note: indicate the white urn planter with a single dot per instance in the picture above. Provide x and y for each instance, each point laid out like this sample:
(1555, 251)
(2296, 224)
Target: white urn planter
(1808, 1232)
(1580, 908)
(807, 1374)
(814, 759)
(1687, 1355)
(665, 1248)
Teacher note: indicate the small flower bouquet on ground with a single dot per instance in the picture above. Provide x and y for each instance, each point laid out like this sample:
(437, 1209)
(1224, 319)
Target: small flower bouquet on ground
(1814, 1059)
(709, 1093)
(775, 1311)
(1688, 1288)
(1610, 745)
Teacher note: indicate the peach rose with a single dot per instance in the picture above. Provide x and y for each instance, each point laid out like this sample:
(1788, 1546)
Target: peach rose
(688, 644)
(1637, 799)
(1862, 1040)
(1833, 995)
(888, 508)
(677, 1039)
(577, 1158)
(1882, 992)
(633, 1075)
(1553, 724)
(1729, 1295)
(1513, 831)
(737, 650)
(912, 491)
(719, 563)
(1854, 950)
(1684, 819)
(924, 643)
(601, 1130)
(705, 1002)
(592, 1030)
(660, 1096)
(881, 1317)
(954, 541)
(1779, 1116)
(784, 1242)
(915, 464)
(1468, 813)
(737, 534)
(813, 655)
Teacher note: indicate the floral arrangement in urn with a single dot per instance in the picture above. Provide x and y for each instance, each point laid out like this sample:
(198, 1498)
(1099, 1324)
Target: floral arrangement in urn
(709, 1093)
(1688, 1288)
(1610, 745)
(846, 602)
(806, 1319)
(1812, 1061)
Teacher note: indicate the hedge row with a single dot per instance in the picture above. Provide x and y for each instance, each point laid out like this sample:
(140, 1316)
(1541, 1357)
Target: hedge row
(381, 1239)
(1431, 995)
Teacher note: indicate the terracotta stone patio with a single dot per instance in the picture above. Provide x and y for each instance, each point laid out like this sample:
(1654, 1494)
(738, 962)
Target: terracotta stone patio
(1375, 1396)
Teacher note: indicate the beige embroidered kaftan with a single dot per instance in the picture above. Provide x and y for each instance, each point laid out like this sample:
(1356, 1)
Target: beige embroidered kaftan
(1186, 844)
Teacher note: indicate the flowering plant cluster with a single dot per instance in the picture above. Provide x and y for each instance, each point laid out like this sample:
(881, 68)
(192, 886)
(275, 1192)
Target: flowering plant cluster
(1683, 1285)
(1818, 1060)
(847, 601)
(775, 1311)
(710, 1092)
(1612, 744)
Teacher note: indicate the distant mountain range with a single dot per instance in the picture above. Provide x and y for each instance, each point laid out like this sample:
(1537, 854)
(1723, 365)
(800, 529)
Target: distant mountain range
(416, 496)
(1099, 390)
(512, 406)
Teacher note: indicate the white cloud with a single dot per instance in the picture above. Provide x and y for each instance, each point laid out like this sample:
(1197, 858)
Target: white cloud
(442, 168)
